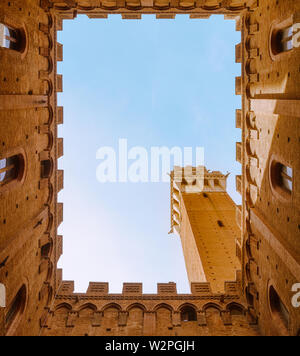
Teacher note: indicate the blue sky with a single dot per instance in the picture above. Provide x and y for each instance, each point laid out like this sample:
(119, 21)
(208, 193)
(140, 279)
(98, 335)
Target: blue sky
(155, 83)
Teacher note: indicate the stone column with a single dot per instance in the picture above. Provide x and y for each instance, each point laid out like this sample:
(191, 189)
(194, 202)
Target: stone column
(176, 318)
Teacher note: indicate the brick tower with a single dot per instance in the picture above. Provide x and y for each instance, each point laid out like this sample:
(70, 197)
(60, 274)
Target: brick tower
(204, 216)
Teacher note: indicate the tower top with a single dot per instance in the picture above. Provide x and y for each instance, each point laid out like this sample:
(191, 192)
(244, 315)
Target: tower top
(198, 179)
(192, 180)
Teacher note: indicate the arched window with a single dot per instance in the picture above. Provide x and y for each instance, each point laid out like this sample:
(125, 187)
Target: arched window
(236, 310)
(10, 169)
(279, 310)
(188, 314)
(16, 308)
(282, 40)
(282, 177)
(11, 38)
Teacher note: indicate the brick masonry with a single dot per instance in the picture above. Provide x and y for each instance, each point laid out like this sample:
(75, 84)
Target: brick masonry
(264, 242)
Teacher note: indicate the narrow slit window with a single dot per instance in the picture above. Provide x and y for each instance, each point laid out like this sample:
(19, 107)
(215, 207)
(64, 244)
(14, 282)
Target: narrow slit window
(10, 38)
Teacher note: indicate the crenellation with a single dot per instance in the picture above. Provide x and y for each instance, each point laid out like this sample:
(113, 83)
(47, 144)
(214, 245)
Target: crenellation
(166, 16)
(132, 288)
(239, 152)
(131, 16)
(59, 214)
(60, 180)
(60, 115)
(238, 86)
(59, 83)
(201, 288)
(167, 288)
(60, 147)
(59, 52)
(98, 288)
(100, 291)
(59, 23)
(148, 308)
(59, 278)
(59, 247)
(67, 287)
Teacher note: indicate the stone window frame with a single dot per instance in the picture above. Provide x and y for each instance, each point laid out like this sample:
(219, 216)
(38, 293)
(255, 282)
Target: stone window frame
(276, 184)
(276, 27)
(21, 32)
(21, 170)
(188, 310)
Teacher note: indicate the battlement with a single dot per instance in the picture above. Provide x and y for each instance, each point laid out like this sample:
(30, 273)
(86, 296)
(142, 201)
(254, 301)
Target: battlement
(97, 312)
(164, 290)
(198, 179)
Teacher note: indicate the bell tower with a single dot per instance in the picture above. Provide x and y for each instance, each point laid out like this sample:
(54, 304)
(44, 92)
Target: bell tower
(204, 216)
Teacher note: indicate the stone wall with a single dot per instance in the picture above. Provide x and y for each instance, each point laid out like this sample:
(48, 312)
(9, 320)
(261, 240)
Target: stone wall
(98, 313)
(28, 210)
(270, 123)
